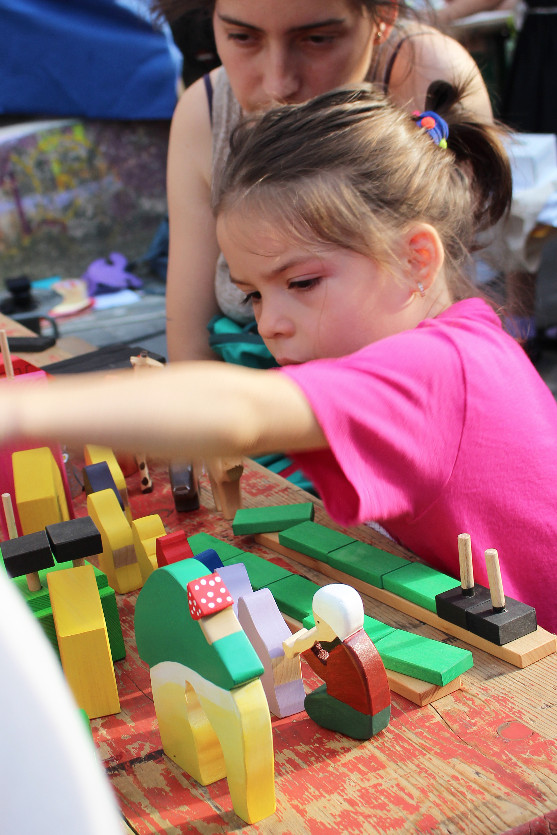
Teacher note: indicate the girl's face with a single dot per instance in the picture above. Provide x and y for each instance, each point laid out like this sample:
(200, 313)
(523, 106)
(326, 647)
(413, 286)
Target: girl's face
(311, 300)
(292, 50)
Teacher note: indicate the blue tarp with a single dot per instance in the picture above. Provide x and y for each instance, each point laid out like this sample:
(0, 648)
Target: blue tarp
(97, 59)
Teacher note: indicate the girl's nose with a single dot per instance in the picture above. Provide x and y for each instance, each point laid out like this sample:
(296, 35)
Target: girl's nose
(273, 323)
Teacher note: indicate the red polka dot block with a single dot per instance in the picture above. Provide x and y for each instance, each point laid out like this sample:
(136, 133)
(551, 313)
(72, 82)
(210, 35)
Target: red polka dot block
(208, 595)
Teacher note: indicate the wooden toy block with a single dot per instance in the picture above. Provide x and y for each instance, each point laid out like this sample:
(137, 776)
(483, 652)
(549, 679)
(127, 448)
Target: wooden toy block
(145, 532)
(423, 658)
(418, 583)
(237, 580)
(355, 699)
(210, 559)
(277, 518)
(521, 653)
(212, 733)
(27, 554)
(201, 541)
(224, 477)
(117, 558)
(172, 547)
(38, 489)
(95, 454)
(219, 625)
(261, 572)
(83, 640)
(313, 539)
(453, 604)
(294, 595)
(184, 486)
(365, 562)
(374, 629)
(207, 596)
(97, 477)
(74, 540)
(266, 629)
(500, 619)
(165, 630)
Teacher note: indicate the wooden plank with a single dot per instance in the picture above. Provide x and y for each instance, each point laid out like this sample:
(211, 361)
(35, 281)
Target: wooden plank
(521, 652)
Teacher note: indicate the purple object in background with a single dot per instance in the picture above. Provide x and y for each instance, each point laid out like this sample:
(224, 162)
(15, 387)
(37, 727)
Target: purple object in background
(108, 275)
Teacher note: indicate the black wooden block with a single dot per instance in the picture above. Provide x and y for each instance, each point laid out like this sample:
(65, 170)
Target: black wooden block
(26, 554)
(74, 539)
(500, 627)
(184, 487)
(453, 605)
(97, 477)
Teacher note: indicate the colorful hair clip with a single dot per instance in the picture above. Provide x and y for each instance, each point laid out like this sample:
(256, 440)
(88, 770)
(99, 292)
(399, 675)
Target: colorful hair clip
(437, 128)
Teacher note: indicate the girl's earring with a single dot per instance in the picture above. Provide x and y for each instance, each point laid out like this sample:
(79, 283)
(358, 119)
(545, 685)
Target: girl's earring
(421, 289)
(380, 33)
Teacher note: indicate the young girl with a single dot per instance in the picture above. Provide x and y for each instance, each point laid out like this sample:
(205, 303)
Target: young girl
(400, 395)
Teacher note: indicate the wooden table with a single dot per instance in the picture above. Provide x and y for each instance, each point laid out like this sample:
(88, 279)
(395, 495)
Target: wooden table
(481, 760)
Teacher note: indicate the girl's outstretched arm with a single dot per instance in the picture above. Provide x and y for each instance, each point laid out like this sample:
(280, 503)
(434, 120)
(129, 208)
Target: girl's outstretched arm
(199, 410)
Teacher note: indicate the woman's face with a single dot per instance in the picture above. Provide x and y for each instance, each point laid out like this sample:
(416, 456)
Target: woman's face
(292, 50)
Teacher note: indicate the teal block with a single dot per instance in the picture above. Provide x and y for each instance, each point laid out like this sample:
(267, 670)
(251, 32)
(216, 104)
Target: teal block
(419, 584)
(364, 561)
(201, 541)
(250, 520)
(242, 666)
(261, 572)
(294, 595)
(313, 540)
(423, 658)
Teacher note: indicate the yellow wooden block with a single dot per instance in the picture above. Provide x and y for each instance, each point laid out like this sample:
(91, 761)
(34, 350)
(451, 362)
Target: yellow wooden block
(219, 625)
(117, 558)
(39, 490)
(145, 533)
(83, 640)
(94, 454)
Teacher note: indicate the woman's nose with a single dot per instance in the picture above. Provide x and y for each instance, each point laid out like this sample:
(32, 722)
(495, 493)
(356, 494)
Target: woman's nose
(280, 80)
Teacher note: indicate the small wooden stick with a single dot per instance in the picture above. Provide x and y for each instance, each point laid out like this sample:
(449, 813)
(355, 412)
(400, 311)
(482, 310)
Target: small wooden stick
(144, 361)
(33, 582)
(6, 356)
(465, 562)
(495, 581)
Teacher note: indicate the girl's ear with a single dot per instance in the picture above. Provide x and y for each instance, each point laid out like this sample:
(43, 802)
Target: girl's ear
(423, 256)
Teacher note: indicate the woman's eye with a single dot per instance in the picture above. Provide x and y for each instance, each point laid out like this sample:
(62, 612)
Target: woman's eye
(241, 37)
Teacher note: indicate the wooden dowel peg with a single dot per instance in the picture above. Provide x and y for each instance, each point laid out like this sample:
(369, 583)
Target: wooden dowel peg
(465, 562)
(33, 582)
(495, 581)
(6, 356)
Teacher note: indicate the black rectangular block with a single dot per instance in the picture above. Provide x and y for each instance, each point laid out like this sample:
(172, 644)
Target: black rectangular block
(514, 621)
(27, 554)
(74, 539)
(453, 605)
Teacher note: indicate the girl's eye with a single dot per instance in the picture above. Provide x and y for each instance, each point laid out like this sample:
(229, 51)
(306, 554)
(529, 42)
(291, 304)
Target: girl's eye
(304, 283)
(255, 296)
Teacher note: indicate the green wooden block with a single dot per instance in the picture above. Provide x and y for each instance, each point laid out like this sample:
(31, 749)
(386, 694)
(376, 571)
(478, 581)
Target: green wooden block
(261, 572)
(364, 561)
(313, 540)
(423, 658)
(201, 541)
(294, 595)
(276, 518)
(113, 625)
(165, 630)
(373, 628)
(419, 584)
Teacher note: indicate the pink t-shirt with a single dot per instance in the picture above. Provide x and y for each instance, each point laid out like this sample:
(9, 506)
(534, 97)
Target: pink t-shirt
(442, 430)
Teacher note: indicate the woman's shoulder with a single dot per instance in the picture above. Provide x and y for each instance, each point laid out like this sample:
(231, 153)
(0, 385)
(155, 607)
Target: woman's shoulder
(191, 131)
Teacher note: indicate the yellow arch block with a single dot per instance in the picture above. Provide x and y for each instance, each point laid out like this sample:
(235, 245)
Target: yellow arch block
(211, 732)
(145, 532)
(94, 454)
(117, 559)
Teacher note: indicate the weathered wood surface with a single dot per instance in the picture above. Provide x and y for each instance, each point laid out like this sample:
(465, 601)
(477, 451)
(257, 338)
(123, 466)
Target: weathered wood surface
(479, 761)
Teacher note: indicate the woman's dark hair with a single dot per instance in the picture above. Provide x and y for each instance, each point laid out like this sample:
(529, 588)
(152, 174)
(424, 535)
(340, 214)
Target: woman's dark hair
(352, 169)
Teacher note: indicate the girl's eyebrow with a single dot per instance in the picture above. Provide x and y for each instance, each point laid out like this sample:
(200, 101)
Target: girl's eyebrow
(294, 263)
(318, 24)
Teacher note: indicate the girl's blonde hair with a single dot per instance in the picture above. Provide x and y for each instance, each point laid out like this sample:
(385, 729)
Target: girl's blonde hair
(351, 169)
